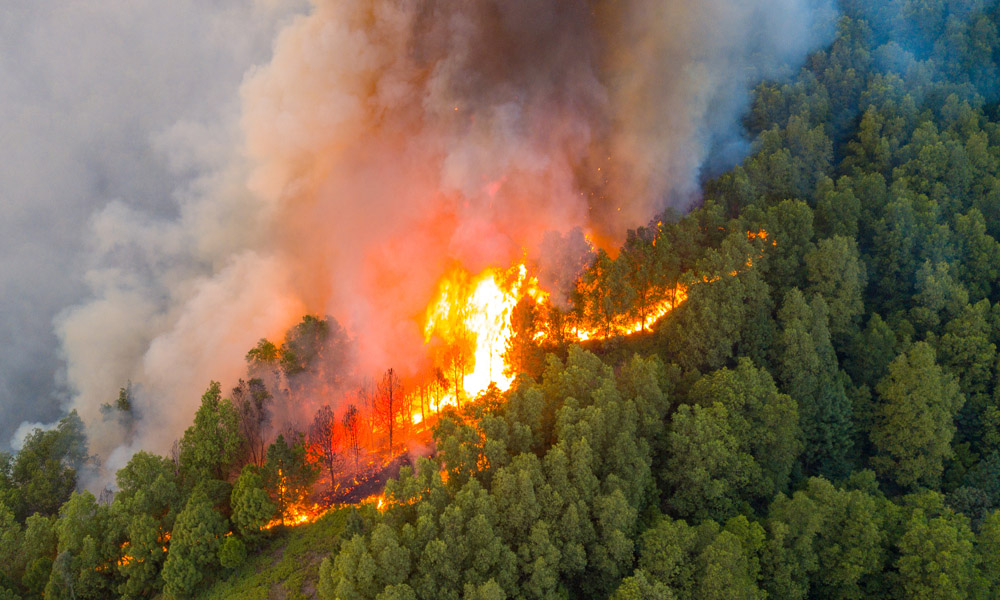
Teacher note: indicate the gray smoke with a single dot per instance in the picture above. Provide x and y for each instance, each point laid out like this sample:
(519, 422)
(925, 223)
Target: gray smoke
(102, 104)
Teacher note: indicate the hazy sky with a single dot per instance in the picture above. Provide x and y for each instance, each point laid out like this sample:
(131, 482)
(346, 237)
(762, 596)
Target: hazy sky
(101, 102)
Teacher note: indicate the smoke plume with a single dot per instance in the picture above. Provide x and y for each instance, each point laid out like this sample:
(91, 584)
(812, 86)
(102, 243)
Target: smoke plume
(103, 103)
(387, 141)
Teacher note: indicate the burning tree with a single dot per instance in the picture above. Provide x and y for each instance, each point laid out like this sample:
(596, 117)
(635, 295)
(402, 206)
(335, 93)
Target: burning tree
(319, 347)
(351, 428)
(389, 403)
(523, 352)
(288, 474)
(368, 398)
(252, 401)
(324, 439)
(457, 359)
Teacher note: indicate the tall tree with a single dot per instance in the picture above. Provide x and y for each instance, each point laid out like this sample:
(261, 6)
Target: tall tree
(936, 559)
(252, 508)
(809, 373)
(914, 419)
(252, 402)
(210, 446)
(390, 404)
(146, 505)
(836, 272)
(288, 473)
(824, 542)
(733, 447)
(352, 426)
(45, 470)
(325, 439)
(194, 547)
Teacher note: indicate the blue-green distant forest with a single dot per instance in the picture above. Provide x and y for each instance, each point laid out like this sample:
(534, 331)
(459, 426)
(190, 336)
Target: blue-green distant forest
(819, 419)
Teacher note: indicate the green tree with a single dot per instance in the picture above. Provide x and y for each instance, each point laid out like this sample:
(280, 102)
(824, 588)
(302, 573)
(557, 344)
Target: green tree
(252, 508)
(914, 419)
(729, 565)
(639, 587)
(838, 209)
(734, 446)
(11, 559)
(84, 565)
(144, 509)
(194, 547)
(232, 552)
(835, 271)
(45, 469)
(808, 370)
(978, 264)
(288, 474)
(936, 559)
(965, 351)
(823, 542)
(38, 549)
(987, 585)
(211, 445)
(727, 310)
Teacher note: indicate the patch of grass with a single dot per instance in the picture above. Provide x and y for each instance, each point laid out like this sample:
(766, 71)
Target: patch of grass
(287, 566)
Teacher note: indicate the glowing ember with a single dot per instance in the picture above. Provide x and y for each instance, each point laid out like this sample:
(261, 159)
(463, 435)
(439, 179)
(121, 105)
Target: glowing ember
(298, 515)
(653, 314)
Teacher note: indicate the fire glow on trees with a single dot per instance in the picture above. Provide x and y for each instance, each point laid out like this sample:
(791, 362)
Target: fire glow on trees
(470, 318)
(471, 328)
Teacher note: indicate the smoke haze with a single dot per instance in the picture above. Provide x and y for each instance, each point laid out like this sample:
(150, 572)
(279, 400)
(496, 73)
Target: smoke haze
(101, 103)
(383, 143)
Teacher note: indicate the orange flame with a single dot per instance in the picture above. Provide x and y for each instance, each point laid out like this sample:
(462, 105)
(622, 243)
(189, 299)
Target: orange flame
(298, 514)
(476, 312)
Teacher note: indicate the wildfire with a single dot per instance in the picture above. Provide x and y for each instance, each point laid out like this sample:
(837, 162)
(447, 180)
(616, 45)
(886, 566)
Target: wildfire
(472, 314)
(653, 314)
(472, 317)
(297, 514)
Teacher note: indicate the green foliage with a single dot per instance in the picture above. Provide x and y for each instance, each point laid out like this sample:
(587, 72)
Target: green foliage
(46, 467)
(936, 557)
(734, 447)
(287, 564)
(287, 474)
(304, 344)
(987, 584)
(914, 420)
(232, 552)
(84, 566)
(252, 508)
(38, 549)
(823, 542)
(194, 547)
(211, 445)
(145, 509)
(807, 366)
(727, 310)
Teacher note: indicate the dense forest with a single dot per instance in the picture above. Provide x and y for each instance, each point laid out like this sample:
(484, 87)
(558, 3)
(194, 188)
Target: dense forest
(819, 418)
